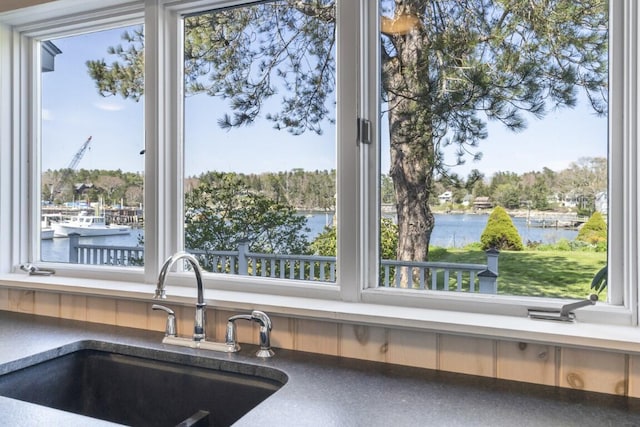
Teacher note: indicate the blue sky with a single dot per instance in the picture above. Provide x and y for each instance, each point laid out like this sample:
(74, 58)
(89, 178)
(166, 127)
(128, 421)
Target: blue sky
(72, 111)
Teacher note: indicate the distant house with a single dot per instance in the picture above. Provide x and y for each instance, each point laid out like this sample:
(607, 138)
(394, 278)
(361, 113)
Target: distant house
(602, 202)
(569, 200)
(482, 203)
(466, 200)
(81, 189)
(445, 197)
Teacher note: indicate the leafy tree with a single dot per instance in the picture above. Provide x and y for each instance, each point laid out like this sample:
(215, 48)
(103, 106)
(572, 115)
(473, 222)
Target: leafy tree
(305, 190)
(134, 195)
(459, 186)
(222, 214)
(460, 63)
(502, 178)
(539, 195)
(584, 179)
(500, 233)
(480, 189)
(536, 189)
(386, 190)
(507, 195)
(388, 239)
(109, 184)
(593, 231)
(325, 243)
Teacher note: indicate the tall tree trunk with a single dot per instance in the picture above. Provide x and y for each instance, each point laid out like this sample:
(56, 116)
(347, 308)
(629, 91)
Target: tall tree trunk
(406, 81)
(412, 173)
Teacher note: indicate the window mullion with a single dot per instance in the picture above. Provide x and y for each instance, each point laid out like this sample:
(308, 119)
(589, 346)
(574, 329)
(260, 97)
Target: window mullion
(369, 99)
(349, 244)
(623, 185)
(163, 112)
(25, 133)
(7, 123)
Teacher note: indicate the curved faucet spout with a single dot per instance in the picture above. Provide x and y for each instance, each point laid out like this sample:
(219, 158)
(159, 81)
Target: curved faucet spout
(200, 321)
(160, 287)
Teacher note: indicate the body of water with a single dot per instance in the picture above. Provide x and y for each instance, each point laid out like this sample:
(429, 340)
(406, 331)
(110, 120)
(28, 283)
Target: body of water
(459, 230)
(451, 230)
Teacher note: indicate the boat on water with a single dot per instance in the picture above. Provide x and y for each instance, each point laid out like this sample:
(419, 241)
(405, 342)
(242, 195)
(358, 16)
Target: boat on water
(46, 230)
(88, 226)
(46, 233)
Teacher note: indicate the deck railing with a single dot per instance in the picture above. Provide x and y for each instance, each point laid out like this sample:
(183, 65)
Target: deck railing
(246, 263)
(443, 276)
(103, 255)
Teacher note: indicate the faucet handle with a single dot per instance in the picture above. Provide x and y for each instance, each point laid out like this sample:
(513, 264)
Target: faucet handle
(171, 328)
(230, 335)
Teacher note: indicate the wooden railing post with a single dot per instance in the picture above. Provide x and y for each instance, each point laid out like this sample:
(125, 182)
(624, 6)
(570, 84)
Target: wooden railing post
(488, 282)
(488, 279)
(73, 247)
(492, 259)
(243, 248)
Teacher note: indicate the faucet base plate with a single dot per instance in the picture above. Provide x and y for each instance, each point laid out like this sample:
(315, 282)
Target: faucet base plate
(205, 345)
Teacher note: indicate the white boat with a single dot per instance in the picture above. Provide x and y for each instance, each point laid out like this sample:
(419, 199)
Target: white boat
(46, 230)
(46, 233)
(88, 225)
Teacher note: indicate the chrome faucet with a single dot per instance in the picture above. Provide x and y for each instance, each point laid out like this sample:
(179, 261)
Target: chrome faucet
(199, 325)
(265, 332)
(199, 328)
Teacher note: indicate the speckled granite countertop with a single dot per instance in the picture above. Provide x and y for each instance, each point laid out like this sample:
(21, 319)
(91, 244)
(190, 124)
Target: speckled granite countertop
(320, 390)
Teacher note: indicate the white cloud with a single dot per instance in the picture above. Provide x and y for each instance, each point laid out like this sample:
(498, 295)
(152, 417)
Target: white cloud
(109, 106)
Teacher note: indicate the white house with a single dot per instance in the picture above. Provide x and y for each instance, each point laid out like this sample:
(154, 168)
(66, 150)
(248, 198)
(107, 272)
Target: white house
(445, 197)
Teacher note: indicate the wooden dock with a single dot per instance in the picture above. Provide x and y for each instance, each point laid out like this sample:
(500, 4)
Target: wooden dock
(571, 223)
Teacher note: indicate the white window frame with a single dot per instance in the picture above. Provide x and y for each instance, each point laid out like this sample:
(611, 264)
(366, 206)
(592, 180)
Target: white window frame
(623, 190)
(357, 165)
(23, 118)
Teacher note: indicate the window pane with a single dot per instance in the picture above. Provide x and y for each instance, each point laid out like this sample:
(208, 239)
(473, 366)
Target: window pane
(92, 163)
(497, 108)
(260, 158)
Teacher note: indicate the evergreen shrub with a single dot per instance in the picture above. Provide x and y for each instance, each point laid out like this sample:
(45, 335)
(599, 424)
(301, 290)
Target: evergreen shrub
(594, 231)
(500, 233)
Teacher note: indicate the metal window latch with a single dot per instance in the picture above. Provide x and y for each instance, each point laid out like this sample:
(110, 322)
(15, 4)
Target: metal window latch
(36, 271)
(364, 131)
(565, 314)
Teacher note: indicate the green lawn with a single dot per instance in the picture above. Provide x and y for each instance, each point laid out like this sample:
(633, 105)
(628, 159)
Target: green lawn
(535, 273)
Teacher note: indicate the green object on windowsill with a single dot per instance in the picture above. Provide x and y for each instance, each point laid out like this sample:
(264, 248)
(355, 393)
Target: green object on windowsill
(600, 280)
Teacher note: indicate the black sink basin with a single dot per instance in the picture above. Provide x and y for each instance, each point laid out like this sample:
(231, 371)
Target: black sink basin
(141, 391)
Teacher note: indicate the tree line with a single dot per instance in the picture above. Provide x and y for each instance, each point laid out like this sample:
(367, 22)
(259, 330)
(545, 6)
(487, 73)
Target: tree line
(305, 190)
(581, 183)
(315, 190)
(111, 186)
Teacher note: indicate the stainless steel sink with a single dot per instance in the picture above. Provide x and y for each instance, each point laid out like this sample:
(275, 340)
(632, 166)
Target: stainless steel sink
(144, 391)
